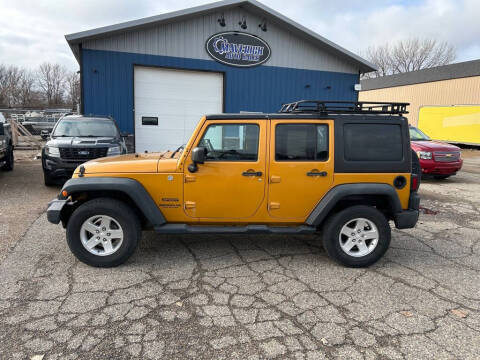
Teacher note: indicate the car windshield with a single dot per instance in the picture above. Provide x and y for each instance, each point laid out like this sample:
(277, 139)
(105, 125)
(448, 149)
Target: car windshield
(86, 127)
(416, 134)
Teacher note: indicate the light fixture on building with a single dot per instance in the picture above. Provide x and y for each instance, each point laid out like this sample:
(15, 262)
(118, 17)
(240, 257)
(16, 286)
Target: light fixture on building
(263, 25)
(243, 23)
(221, 21)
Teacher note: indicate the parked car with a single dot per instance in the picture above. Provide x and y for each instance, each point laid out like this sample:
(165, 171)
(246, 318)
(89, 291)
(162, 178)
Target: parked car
(6, 146)
(76, 139)
(254, 173)
(437, 158)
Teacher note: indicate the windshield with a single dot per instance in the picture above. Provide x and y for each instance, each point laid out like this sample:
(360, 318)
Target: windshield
(416, 134)
(86, 127)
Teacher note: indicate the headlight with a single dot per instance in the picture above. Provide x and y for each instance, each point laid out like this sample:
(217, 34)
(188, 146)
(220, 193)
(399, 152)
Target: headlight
(425, 155)
(114, 150)
(52, 151)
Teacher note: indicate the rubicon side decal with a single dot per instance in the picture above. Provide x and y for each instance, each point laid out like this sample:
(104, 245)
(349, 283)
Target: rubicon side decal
(238, 49)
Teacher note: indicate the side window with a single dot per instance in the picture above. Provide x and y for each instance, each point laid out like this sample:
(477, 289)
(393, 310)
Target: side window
(301, 142)
(231, 142)
(373, 142)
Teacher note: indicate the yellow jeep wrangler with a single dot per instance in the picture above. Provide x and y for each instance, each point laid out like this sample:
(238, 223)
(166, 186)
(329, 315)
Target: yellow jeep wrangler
(343, 170)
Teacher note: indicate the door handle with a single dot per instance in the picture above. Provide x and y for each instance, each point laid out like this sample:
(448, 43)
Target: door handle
(317, 173)
(252, 173)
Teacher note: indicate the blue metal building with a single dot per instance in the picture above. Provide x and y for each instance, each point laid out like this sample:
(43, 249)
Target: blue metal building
(157, 76)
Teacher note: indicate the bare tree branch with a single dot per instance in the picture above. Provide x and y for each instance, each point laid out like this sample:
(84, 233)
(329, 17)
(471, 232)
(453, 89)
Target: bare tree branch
(409, 55)
(73, 88)
(51, 79)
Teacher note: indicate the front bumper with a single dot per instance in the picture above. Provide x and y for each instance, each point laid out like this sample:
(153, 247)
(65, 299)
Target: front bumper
(407, 219)
(57, 167)
(54, 211)
(440, 168)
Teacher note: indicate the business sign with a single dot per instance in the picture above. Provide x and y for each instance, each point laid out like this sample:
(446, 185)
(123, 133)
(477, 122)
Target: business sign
(239, 49)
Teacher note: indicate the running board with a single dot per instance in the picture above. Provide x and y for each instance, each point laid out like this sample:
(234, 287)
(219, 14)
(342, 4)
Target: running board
(248, 229)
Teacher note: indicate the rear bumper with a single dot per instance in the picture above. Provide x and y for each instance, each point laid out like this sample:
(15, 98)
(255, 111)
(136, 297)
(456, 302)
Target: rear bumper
(407, 219)
(440, 168)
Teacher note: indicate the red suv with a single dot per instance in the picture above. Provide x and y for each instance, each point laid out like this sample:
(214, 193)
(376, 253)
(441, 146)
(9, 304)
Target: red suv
(436, 158)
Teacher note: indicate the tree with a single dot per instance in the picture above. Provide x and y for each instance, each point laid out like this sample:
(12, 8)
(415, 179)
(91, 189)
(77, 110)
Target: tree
(51, 79)
(409, 55)
(3, 84)
(9, 79)
(26, 88)
(73, 89)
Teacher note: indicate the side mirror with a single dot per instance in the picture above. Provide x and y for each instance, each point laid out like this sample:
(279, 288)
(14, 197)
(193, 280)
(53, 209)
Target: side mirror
(2, 129)
(44, 134)
(198, 157)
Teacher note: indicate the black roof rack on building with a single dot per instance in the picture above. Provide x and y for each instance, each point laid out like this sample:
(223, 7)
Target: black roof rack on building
(345, 107)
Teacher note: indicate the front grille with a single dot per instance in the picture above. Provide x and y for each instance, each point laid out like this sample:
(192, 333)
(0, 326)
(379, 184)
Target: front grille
(83, 153)
(446, 156)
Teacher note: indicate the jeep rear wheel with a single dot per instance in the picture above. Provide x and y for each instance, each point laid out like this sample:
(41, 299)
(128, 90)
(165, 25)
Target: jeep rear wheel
(103, 232)
(357, 236)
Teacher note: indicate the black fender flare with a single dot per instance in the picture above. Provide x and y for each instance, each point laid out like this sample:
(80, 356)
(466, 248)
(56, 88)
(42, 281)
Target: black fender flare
(130, 187)
(339, 192)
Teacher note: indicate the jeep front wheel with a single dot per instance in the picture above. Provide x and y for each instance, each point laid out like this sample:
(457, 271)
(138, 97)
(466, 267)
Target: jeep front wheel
(103, 232)
(357, 236)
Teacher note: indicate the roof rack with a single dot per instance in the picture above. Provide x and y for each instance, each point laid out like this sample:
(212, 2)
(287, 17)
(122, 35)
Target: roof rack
(345, 107)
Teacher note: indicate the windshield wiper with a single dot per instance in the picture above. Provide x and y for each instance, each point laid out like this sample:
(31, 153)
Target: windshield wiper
(181, 147)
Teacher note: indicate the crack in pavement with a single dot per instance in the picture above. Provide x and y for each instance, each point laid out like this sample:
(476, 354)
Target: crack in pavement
(247, 297)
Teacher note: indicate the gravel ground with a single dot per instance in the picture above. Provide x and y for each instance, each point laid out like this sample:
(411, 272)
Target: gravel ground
(23, 197)
(250, 297)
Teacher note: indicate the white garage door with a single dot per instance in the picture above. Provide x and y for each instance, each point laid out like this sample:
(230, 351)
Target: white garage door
(169, 104)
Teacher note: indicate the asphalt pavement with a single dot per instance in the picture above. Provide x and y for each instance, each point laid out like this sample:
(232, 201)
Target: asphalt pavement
(252, 297)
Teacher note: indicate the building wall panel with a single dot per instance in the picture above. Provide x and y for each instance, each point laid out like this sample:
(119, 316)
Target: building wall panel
(108, 84)
(463, 91)
(187, 38)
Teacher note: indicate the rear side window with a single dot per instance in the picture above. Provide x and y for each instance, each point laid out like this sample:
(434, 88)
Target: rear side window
(373, 142)
(301, 142)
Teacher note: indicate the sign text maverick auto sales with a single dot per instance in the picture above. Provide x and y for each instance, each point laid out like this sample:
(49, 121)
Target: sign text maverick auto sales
(238, 49)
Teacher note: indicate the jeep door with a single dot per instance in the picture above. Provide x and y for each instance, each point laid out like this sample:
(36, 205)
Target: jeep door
(301, 166)
(231, 181)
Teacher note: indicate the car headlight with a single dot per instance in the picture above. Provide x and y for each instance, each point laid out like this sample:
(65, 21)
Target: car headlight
(425, 155)
(114, 150)
(52, 151)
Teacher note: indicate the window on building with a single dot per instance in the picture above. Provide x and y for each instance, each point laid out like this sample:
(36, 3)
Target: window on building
(231, 142)
(149, 120)
(301, 142)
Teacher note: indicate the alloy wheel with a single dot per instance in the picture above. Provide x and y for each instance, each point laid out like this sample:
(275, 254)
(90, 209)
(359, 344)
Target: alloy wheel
(358, 237)
(101, 235)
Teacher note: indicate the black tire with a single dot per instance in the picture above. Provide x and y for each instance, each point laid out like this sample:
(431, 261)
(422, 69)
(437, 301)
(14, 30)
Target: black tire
(441, 177)
(10, 161)
(119, 211)
(333, 226)
(416, 168)
(48, 180)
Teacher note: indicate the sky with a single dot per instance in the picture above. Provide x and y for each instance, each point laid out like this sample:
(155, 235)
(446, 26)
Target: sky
(32, 31)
